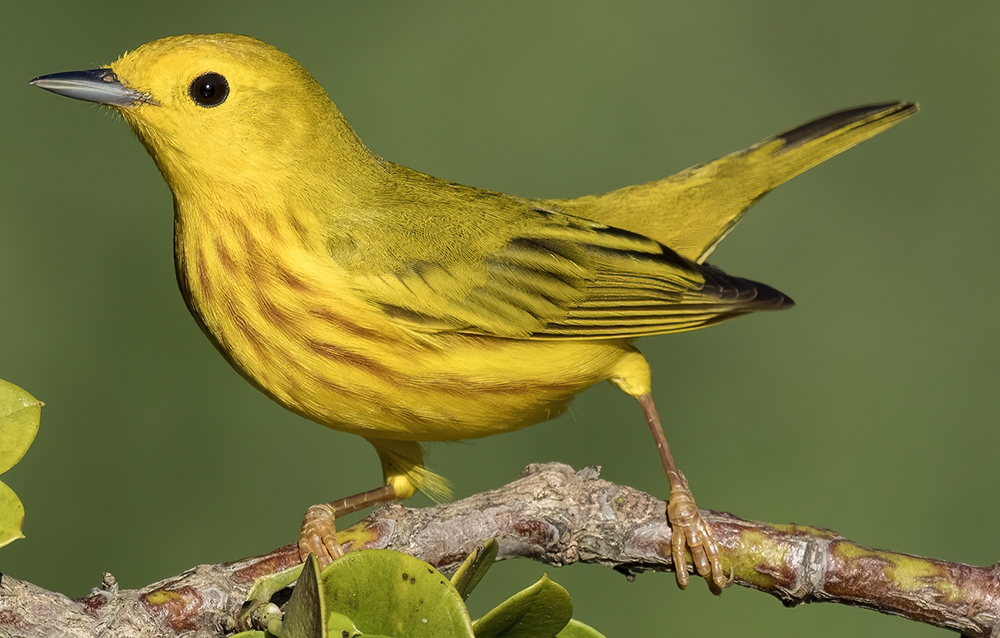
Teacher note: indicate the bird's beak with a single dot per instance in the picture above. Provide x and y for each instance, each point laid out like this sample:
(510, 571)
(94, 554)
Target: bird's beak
(99, 85)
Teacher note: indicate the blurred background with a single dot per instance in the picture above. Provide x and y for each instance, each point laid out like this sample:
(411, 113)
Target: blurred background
(870, 408)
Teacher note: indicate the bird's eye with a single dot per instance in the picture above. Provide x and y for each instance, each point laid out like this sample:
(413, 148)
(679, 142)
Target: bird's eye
(209, 89)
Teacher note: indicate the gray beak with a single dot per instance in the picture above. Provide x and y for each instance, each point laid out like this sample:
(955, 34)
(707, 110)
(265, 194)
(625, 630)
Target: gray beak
(99, 85)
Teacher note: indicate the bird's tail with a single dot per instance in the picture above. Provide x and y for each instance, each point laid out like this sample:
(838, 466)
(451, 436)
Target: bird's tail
(692, 211)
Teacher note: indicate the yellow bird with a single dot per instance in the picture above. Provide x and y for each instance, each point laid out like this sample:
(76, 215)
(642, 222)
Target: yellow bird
(401, 307)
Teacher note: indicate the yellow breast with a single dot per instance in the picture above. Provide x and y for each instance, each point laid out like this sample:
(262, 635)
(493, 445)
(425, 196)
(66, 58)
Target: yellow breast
(284, 317)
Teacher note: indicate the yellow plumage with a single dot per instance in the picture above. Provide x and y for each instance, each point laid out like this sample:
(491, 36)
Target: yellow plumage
(394, 305)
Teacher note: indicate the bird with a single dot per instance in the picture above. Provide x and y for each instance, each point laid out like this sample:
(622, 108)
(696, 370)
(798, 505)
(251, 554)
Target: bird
(404, 308)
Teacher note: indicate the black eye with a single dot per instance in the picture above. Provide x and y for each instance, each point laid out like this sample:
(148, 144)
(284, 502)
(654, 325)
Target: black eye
(209, 89)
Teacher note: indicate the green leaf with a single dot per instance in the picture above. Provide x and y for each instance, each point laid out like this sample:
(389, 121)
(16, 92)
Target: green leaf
(339, 625)
(391, 594)
(473, 568)
(539, 611)
(576, 629)
(250, 634)
(267, 586)
(11, 516)
(19, 416)
(305, 613)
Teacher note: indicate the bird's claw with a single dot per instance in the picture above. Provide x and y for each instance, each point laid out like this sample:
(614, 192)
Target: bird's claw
(319, 535)
(691, 532)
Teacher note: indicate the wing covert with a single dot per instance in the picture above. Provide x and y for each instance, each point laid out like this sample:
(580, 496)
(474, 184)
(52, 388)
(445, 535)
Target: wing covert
(523, 271)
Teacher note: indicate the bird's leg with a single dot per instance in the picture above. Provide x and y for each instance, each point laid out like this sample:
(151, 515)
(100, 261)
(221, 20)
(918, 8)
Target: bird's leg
(319, 525)
(690, 530)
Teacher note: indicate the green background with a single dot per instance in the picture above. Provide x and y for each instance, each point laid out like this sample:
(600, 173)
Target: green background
(869, 409)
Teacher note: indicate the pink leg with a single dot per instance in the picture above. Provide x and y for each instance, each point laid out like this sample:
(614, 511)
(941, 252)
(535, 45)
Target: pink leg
(690, 530)
(319, 525)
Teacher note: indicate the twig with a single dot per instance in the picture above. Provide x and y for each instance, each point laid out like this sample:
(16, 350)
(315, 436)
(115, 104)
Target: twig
(556, 516)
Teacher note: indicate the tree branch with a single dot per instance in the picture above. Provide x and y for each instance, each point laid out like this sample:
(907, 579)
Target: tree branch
(556, 516)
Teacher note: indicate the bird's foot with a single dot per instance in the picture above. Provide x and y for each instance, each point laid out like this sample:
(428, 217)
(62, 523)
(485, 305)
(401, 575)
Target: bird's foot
(319, 535)
(691, 532)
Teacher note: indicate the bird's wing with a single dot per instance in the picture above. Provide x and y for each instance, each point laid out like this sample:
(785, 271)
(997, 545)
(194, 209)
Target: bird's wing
(518, 270)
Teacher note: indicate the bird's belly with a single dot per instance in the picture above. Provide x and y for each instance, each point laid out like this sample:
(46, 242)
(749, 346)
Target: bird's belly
(367, 382)
(466, 387)
(335, 361)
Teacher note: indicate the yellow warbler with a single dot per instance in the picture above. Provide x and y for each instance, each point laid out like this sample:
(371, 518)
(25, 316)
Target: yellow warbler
(383, 302)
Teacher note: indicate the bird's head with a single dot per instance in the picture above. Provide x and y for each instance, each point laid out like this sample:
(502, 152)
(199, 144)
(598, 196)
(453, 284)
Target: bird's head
(218, 108)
